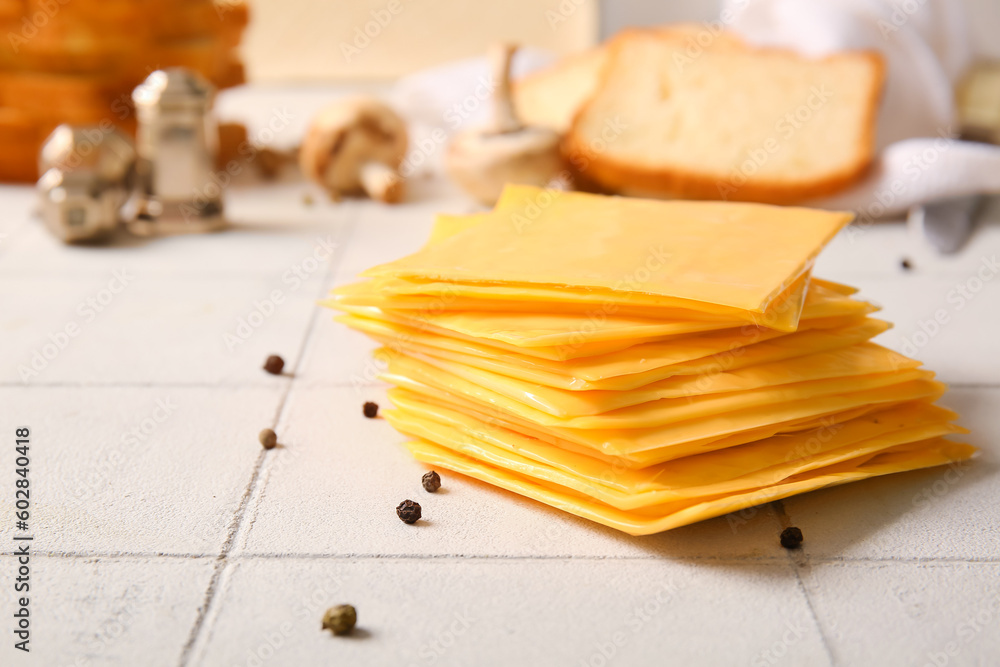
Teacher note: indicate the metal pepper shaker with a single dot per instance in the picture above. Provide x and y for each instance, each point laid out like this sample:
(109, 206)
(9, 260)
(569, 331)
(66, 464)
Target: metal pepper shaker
(87, 175)
(178, 191)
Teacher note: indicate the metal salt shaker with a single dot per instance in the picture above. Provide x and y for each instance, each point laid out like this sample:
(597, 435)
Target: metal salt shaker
(87, 175)
(176, 143)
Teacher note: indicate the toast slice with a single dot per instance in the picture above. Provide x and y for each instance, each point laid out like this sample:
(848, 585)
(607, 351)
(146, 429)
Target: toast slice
(673, 118)
(552, 96)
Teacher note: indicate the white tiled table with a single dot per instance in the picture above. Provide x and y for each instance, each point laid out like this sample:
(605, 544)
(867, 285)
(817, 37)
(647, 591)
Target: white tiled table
(165, 535)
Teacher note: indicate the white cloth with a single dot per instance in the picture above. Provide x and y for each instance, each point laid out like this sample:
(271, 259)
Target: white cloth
(443, 100)
(926, 47)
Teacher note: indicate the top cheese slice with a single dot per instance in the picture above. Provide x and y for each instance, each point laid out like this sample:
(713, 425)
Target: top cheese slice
(737, 255)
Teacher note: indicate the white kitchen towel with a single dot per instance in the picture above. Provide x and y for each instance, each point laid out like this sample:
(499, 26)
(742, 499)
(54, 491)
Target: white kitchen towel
(443, 100)
(926, 48)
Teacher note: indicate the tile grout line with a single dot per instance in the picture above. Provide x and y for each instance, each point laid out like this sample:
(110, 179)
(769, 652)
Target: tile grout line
(812, 612)
(825, 560)
(210, 607)
(797, 559)
(221, 561)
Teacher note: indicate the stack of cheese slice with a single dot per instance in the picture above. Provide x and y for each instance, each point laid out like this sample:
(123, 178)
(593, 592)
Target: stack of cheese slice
(644, 364)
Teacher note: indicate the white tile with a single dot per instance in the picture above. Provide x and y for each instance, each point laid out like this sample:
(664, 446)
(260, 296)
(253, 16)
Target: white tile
(384, 233)
(338, 356)
(155, 329)
(272, 232)
(107, 611)
(879, 248)
(508, 612)
(18, 204)
(342, 475)
(891, 614)
(935, 513)
(140, 470)
(954, 335)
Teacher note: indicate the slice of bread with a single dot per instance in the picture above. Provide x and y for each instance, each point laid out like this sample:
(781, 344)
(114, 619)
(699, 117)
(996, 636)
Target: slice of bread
(552, 96)
(692, 115)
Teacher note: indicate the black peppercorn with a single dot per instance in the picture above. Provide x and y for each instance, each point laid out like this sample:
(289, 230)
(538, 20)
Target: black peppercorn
(370, 409)
(906, 264)
(408, 511)
(274, 364)
(431, 481)
(340, 619)
(791, 538)
(268, 438)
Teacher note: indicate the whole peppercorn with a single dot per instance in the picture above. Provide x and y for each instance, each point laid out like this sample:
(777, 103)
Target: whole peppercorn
(370, 409)
(340, 619)
(274, 365)
(408, 511)
(431, 481)
(268, 438)
(791, 538)
(906, 264)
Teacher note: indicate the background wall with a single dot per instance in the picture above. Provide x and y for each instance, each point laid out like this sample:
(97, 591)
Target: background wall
(983, 15)
(365, 39)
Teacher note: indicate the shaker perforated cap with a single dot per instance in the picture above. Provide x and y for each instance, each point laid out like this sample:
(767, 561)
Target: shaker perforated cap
(174, 87)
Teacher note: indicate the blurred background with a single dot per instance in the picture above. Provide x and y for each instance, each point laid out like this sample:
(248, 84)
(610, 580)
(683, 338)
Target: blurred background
(77, 62)
(301, 38)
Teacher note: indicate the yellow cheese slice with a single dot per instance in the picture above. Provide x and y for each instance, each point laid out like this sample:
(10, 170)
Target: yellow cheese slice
(528, 296)
(506, 394)
(394, 293)
(633, 367)
(446, 225)
(736, 255)
(658, 367)
(517, 463)
(568, 332)
(432, 403)
(814, 298)
(927, 454)
(853, 361)
(730, 470)
(639, 447)
(736, 335)
(785, 349)
(557, 352)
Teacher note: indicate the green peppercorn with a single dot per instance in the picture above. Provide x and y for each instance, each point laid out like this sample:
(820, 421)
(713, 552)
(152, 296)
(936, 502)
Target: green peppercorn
(340, 620)
(268, 438)
(431, 481)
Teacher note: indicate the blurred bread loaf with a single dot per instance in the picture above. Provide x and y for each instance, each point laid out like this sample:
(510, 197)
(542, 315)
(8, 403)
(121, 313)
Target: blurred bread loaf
(685, 112)
(551, 97)
(77, 62)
